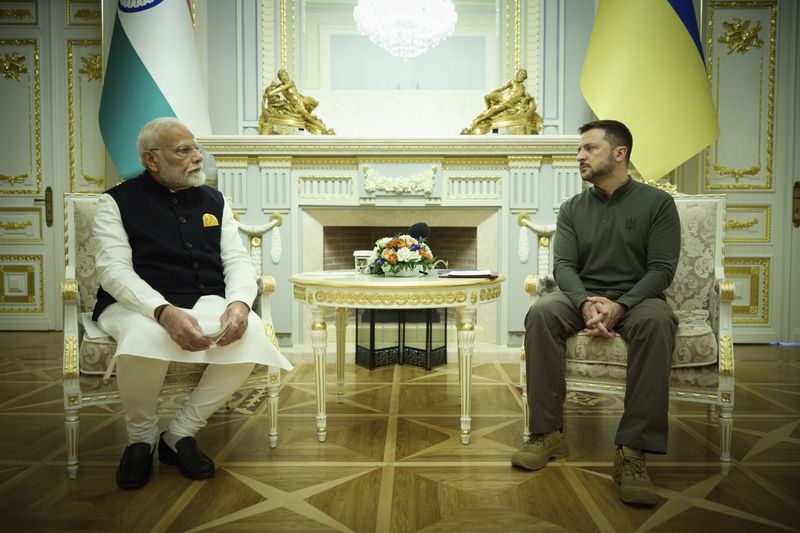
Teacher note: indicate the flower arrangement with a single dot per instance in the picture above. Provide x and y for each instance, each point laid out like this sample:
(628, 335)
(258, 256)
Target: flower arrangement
(400, 255)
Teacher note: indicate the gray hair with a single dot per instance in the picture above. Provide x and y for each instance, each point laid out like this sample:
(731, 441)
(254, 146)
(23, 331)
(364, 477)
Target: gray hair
(151, 132)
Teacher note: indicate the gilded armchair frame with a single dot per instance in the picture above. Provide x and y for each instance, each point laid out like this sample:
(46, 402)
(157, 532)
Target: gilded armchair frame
(718, 397)
(82, 390)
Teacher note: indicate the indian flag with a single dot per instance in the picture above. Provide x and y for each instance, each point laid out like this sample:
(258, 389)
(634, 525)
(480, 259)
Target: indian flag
(152, 71)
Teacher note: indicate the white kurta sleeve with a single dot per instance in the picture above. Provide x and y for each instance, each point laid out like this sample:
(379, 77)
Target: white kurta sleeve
(237, 266)
(114, 263)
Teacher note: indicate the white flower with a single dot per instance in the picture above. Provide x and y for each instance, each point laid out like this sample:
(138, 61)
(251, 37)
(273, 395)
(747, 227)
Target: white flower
(381, 243)
(407, 256)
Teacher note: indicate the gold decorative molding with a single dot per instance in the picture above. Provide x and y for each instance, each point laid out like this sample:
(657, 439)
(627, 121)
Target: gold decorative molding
(757, 271)
(15, 225)
(740, 36)
(491, 293)
(71, 357)
(269, 329)
(530, 284)
(738, 173)
(269, 284)
(544, 242)
(725, 397)
(92, 66)
(725, 355)
(299, 292)
(12, 66)
(34, 126)
(346, 297)
(522, 218)
(13, 180)
(768, 78)
(733, 224)
(15, 14)
(740, 224)
(35, 221)
(88, 14)
(726, 290)
(30, 267)
(69, 290)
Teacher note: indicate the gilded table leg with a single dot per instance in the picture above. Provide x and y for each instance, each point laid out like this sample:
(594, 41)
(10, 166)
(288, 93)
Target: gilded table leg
(466, 342)
(319, 340)
(341, 337)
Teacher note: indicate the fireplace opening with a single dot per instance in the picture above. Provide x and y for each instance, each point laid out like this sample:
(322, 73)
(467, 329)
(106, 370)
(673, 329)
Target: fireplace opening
(456, 245)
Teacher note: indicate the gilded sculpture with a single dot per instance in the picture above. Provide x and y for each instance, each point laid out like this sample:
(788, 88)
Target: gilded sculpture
(284, 107)
(509, 106)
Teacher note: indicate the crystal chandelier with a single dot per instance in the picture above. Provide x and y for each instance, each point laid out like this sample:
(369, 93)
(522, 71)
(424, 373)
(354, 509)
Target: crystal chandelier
(406, 28)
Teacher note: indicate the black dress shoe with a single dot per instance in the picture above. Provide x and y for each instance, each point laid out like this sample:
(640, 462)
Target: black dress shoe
(134, 468)
(192, 463)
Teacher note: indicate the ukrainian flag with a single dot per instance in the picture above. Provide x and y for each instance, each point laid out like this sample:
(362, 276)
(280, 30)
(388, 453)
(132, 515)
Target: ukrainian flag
(152, 71)
(644, 66)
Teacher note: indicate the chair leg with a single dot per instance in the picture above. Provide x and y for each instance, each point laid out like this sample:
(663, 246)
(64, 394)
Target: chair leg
(72, 426)
(725, 433)
(274, 384)
(711, 413)
(526, 430)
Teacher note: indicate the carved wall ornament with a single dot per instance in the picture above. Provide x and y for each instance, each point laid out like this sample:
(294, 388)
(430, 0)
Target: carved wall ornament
(738, 173)
(88, 14)
(420, 182)
(13, 180)
(12, 66)
(741, 35)
(92, 66)
(740, 224)
(15, 14)
(15, 225)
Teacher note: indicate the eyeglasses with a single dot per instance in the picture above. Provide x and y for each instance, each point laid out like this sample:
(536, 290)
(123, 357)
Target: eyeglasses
(183, 151)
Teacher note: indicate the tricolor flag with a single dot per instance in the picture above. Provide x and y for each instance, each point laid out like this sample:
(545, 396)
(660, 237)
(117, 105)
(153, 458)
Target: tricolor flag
(152, 71)
(644, 66)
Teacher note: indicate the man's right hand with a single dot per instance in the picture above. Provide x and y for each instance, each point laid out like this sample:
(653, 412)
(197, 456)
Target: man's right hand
(595, 317)
(184, 329)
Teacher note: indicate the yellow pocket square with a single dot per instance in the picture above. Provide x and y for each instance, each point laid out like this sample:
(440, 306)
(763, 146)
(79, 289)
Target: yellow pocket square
(210, 220)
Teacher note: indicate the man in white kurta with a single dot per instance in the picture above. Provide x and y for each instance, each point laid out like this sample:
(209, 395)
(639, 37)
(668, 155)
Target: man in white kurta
(172, 270)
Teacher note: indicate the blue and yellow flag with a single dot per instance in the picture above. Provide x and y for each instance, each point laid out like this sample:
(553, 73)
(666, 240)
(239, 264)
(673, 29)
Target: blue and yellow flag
(644, 66)
(152, 71)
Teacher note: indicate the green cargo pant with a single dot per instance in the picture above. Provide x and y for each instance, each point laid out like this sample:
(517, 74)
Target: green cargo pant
(649, 329)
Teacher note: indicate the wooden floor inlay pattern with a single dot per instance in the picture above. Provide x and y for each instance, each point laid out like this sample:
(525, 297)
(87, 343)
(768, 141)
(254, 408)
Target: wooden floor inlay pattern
(394, 462)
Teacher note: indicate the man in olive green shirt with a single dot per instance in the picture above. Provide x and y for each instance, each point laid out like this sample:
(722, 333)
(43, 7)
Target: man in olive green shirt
(616, 249)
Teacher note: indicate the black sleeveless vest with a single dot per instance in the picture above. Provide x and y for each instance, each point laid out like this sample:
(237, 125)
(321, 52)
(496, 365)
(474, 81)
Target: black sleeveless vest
(174, 238)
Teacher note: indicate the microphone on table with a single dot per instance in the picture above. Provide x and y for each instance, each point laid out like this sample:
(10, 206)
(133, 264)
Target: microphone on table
(420, 230)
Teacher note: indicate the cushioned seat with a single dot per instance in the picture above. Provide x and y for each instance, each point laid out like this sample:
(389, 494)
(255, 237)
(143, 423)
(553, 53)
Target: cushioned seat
(702, 362)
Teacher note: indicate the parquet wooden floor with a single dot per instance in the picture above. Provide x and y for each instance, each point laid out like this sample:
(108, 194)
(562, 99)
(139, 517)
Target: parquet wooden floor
(393, 461)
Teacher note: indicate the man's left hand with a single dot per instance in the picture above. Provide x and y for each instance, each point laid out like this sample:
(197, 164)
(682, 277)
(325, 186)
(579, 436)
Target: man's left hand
(236, 313)
(611, 311)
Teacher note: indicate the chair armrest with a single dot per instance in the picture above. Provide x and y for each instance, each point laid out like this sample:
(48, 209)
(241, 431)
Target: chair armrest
(266, 284)
(724, 327)
(537, 285)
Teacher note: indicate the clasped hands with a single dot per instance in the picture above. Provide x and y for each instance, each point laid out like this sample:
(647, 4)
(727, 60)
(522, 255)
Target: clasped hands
(184, 329)
(600, 316)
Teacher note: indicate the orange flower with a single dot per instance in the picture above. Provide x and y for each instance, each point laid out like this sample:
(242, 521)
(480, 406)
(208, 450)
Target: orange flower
(389, 255)
(425, 253)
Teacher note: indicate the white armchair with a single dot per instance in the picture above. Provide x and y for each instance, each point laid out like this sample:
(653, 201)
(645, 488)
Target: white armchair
(86, 357)
(702, 363)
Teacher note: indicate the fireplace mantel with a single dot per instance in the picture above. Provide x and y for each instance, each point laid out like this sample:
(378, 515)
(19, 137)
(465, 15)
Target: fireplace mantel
(462, 145)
